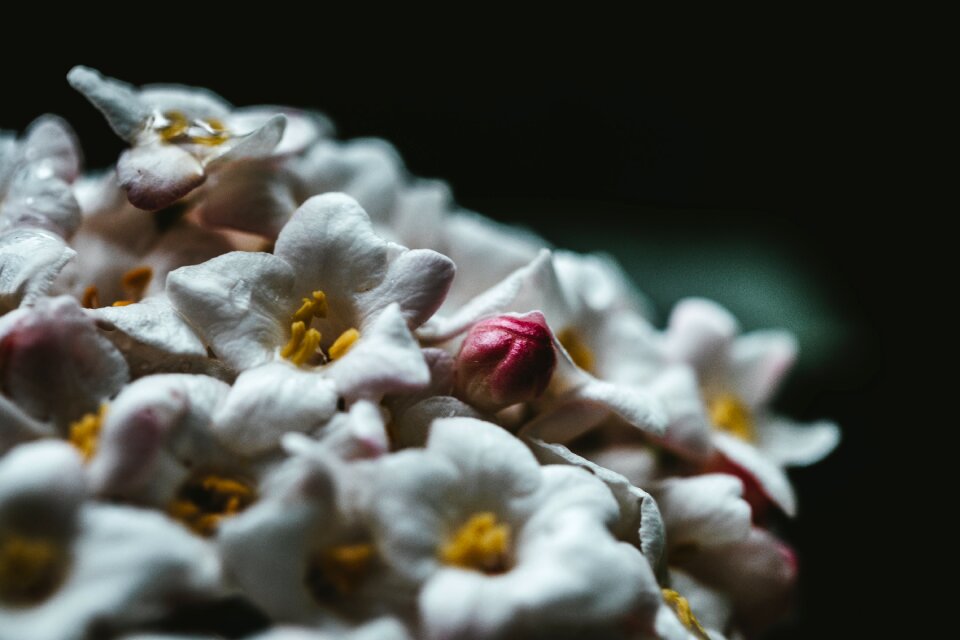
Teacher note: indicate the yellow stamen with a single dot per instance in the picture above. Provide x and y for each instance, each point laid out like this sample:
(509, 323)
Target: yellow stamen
(302, 344)
(579, 352)
(681, 607)
(343, 567)
(203, 501)
(90, 298)
(343, 343)
(729, 413)
(176, 125)
(315, 308)
(136, 281)
(85, 432)
(30, 569)
(480, 544)
(122, 303)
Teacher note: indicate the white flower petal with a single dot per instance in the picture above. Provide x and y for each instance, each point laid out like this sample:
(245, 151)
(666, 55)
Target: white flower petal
(385, 359)
(253, 196)
(703, 511)
(156, 175)
(788, 443)
(360, 433)
(302, 130)
(118, 101)
(417, 280)
(181, 245)
(699, 332)
(37, 199)
(758, 363)
(51, 143)
(711, 607)
(268, 401)
(411, 427)
(153, 322)
(194, 102)
(41, 487)
(240, 303)
(17, 427)
(53, 362)
(257, 144)
(30, 260)
(770, 478)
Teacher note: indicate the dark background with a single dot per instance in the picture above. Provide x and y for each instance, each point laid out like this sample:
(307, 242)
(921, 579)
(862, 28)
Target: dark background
(749, 177)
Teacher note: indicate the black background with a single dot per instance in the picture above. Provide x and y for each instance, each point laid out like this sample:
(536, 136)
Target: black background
(778, 145)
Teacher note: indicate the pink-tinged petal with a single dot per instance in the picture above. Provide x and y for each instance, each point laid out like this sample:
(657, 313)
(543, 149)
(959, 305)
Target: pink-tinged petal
(269, 401)
(703, 511)
(54, 364)
(51, 143)
(30, 261)
(257, 144)
(763, 481)
(759, 361)
(157, 175)
(699, 332)
(758, 574)
(385, 359)
(505, 360)
(118, 101)
(792, 444)
(417, 280)
(240, 303)
(496, 299)
(302, 130)
(254, 196)
(331, 246)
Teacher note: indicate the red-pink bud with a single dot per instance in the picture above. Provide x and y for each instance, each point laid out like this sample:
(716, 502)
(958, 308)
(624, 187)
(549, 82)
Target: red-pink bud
(505, 360)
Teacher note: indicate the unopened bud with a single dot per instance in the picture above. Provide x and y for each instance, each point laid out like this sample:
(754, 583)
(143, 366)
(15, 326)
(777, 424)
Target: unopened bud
(505, 360)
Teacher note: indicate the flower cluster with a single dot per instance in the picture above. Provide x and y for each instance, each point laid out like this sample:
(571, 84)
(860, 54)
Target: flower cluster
(257, 365)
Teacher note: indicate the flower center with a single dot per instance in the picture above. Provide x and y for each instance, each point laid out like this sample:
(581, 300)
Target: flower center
(134, 284)
(85, 432)
(480, 544)
(339, 570)
(729, 413)
(30, 569)
(174, 127)
(580, 353)
(304, 341)
(681, 607)
(204, 500)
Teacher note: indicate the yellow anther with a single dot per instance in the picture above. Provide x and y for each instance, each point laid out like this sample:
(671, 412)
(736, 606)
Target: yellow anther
(30, 569)
(216, 124)
(729, 413)
(122, 303)
(176, 125)
(85, 432)
(343, 343)
(681, 607)
(203, 501)
(343, 567)
(302, 344)
(312, 308)
(136, 281)
(90, 298)
(480, 544)
(579, 352)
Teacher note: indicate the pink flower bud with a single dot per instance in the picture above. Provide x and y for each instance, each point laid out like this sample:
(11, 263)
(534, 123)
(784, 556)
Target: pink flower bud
(505, 360)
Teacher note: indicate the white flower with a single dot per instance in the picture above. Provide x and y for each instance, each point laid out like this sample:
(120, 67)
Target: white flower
(501, 545)
(304, 553)
(331, 291)
(67, 564)
(178, 134)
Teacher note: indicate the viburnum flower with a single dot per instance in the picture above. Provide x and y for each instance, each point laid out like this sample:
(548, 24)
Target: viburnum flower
(178, 134)
(305, 552)
(332, 292)
(501, 545)
(69, 565)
